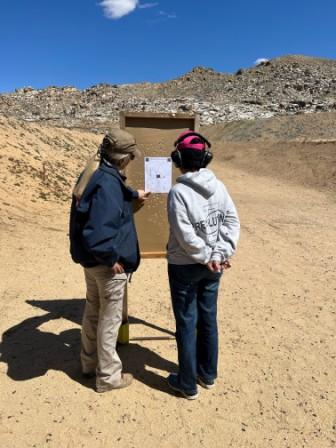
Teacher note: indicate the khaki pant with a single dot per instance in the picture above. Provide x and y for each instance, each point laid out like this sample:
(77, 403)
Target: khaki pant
(101, 321)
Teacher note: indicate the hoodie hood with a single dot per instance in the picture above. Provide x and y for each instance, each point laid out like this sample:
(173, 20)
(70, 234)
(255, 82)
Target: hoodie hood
(203, 181)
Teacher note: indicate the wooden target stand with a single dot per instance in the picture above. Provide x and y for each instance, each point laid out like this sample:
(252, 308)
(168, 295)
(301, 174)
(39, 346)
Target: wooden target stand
(155, 135)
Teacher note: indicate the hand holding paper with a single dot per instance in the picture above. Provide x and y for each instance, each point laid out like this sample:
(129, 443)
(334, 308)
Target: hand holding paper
(140, 201)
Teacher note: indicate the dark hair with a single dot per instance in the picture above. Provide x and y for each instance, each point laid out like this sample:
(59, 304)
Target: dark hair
(192, 151)
(191, 159)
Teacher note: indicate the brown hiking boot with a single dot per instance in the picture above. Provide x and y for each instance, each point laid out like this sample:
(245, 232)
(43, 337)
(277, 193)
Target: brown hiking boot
(126, 380)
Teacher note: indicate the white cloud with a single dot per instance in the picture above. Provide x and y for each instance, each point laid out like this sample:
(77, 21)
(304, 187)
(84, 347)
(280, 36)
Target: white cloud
(260, 61)
(147, 5)
(114, 9)
(167, 15)
(163, 16)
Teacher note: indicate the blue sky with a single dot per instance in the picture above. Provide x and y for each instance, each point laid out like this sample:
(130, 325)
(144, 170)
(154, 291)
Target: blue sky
(85, 42)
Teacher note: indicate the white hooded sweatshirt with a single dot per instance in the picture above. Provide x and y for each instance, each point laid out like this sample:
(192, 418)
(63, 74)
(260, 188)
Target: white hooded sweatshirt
(204, 223)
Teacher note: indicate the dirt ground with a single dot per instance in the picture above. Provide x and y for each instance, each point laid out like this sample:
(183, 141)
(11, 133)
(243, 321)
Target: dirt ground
(276, 385)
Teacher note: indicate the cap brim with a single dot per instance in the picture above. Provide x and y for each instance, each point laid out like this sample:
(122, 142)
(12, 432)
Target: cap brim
(137, 153)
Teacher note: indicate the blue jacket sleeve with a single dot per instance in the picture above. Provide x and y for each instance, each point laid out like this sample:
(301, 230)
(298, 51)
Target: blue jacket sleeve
(134, 193)
(101, 230)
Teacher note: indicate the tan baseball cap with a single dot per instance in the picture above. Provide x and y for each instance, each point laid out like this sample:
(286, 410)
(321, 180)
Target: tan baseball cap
(118, 143)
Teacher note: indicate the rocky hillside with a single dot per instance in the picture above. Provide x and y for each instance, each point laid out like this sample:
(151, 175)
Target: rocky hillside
(317, 128)
(286, 85)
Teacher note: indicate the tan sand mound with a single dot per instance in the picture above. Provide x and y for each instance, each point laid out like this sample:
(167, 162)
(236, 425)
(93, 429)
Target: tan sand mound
(300, 149)
(41, 162)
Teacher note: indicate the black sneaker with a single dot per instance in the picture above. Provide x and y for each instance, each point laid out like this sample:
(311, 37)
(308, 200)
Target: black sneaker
(173, 384)
(205, 384)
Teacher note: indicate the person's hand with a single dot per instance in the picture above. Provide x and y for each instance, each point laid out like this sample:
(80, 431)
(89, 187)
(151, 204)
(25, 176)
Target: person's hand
(226, 265)
(143, 195)
(140, 201)
(214, 266)
(117, 268)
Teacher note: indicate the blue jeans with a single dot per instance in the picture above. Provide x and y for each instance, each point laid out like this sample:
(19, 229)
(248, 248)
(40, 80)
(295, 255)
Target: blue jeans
(194, 291)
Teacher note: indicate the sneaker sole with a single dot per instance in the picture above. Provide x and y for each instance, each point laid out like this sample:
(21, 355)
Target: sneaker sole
(205, 385)
(188, 397)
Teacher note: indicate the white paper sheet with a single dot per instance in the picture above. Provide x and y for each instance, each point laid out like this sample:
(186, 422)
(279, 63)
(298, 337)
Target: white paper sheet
(158, 174)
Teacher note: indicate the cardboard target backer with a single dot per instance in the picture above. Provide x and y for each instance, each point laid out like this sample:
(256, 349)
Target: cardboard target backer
(155, 135)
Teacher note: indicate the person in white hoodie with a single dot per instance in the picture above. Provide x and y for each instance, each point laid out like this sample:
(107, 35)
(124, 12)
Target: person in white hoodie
(203, 235)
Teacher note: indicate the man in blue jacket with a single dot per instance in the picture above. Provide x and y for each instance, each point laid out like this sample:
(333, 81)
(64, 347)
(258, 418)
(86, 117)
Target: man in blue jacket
(103, 240)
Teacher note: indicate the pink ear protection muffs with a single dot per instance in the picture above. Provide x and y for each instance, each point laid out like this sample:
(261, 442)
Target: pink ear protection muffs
(193, 141)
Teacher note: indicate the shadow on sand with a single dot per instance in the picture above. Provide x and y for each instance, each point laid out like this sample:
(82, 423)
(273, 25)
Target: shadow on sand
(30, 352)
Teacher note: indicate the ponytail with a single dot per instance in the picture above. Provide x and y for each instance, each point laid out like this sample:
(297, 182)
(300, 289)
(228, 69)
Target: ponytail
(91, 167)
